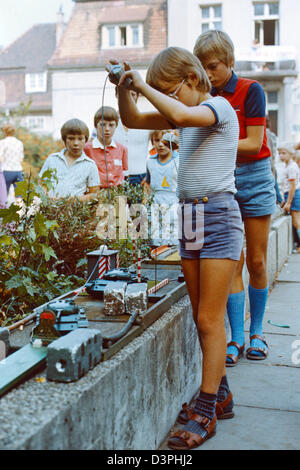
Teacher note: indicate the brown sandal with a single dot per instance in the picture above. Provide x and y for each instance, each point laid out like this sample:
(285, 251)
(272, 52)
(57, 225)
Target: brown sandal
(185, 440)
(234, 358)
(264, 352)
(223, 410)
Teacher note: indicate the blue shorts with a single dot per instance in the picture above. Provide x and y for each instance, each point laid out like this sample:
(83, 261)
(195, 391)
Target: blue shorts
(213, 229)
(295, 206)
(255, 188)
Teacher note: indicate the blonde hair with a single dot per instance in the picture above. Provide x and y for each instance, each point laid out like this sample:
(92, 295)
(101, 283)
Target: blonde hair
(215, 43)
(288, 147)
(9, 129)
(172, 65)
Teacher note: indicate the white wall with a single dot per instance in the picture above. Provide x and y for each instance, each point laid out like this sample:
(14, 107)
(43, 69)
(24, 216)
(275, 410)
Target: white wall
(79, 94)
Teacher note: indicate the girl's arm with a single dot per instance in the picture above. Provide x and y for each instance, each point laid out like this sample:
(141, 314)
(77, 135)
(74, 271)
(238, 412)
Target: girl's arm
(171, 113)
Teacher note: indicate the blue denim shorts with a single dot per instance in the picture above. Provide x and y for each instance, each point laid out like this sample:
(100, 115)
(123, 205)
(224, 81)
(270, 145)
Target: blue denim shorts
(295, 206)
(211, 229)
(255, 188)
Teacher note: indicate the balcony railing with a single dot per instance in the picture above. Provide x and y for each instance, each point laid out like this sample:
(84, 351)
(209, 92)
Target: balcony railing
(266, 58)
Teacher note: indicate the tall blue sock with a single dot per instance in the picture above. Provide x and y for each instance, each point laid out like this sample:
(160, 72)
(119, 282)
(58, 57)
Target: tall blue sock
(236, 315)
(257, 300)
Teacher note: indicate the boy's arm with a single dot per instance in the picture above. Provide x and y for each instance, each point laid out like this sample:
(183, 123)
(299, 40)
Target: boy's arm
(287, 206)
(252, 144)
(92, 193)
(255, 112)
(125, 161)
(171, 112)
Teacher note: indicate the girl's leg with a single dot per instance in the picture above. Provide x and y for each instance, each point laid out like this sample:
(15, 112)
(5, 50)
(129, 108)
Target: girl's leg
(216, 276)
(192, 270)
(257, 233)
(214, 281)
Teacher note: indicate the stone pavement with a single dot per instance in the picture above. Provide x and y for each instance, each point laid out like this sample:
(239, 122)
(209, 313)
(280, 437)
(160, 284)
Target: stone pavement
(267, 393)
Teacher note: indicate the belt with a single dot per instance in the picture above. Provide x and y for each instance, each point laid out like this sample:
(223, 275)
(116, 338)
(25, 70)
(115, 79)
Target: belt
(194, 201)
(205, 199)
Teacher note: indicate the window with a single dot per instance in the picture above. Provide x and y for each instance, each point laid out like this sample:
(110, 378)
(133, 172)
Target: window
(273, 108)
(35, 122)
(211, 17)
(125, 35)
(266, 23)
(36, 82)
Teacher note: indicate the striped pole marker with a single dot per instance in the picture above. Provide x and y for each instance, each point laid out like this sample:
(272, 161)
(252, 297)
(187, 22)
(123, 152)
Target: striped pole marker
(158, 286)
(108, 263)
(133, 254)
(102, 267)
(139, 266)
(117, 261)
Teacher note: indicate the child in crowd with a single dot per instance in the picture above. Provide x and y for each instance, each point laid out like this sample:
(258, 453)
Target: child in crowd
(212, 235)
(11, 156)
(255, 189)
(136, 141)
(291, 188)
(76, 174)
(161, 178)
(110, 157)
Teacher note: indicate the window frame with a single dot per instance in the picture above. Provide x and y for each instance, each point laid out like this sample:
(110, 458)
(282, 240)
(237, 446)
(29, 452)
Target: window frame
(211, 19)
(36, 82)
(258, 22)
(129, 33)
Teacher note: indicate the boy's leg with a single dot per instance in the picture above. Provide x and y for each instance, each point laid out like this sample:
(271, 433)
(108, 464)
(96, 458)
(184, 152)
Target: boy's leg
(296, 225)
(257, 234)
(236, 313)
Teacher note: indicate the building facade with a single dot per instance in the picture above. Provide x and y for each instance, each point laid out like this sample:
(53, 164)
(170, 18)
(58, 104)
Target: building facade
(267, 47)
(25, 77)
(128, 30)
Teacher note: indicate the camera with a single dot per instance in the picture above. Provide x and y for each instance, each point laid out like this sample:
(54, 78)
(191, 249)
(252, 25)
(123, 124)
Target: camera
(115, 72)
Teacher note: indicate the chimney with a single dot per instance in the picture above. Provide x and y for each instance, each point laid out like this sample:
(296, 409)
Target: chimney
(60, 25)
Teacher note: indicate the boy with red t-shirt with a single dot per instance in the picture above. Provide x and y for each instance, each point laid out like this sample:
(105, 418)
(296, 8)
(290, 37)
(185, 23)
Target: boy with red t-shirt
(255, 189)
(113, 162)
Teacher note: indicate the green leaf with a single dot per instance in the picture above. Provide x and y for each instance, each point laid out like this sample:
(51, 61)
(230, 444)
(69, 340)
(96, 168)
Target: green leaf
(25, 190)
(51, 276)
(48, 252)
(10, 214)
(40, 226)
(5, 240)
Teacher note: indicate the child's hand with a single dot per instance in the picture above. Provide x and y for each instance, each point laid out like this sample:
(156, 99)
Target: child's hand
(137, 81)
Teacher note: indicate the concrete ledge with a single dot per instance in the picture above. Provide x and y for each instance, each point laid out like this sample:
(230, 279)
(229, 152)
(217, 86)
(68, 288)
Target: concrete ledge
(283, 229)
(128, 402)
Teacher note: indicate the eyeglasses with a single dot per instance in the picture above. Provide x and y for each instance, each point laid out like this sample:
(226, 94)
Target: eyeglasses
(174, 93)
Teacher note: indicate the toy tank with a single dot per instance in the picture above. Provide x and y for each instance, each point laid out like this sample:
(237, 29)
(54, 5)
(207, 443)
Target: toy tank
(58, 318)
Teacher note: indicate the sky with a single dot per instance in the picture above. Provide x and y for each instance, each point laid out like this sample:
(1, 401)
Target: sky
(17, 16)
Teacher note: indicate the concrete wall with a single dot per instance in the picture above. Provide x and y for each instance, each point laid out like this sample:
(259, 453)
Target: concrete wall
(130, 401)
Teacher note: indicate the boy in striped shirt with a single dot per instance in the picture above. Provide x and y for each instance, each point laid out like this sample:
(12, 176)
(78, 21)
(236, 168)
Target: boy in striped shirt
(76, 174)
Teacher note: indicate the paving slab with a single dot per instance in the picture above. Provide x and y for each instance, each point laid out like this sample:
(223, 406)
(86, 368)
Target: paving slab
(290, 272)
(267, 393)
(262, 432)
(280, 351)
